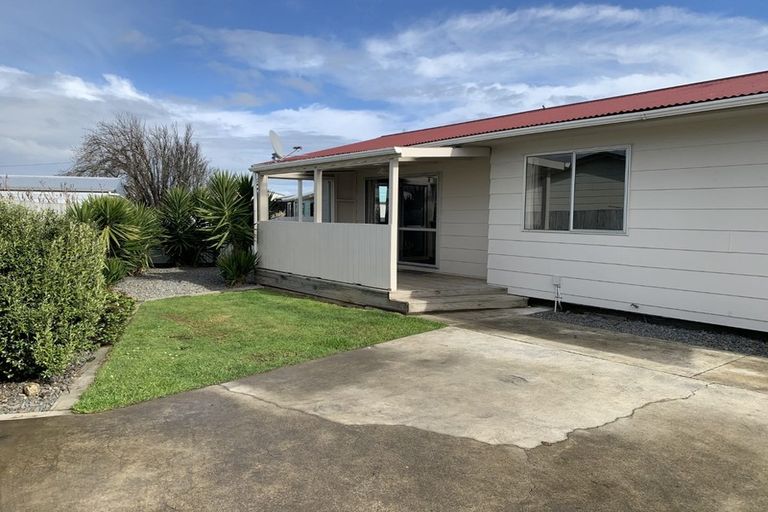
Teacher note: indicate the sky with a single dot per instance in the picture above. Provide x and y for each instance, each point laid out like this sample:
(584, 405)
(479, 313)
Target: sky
(328, 73)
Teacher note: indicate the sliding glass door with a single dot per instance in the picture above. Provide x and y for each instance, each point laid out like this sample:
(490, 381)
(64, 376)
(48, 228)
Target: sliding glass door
(417, 240)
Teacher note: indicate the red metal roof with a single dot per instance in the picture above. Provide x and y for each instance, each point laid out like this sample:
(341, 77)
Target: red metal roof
(732, 87)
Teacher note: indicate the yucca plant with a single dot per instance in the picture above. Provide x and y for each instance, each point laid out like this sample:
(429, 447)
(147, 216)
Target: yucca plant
(235, 265)
(149, 234)
(114, 218)
(183, 230)
(114, 270)
(127, 231)
(227, 208)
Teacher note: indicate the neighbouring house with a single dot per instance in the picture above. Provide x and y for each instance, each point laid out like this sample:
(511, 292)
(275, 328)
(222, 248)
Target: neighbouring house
(290, 204)
(55, 192)
(655, 203)
(287, 206)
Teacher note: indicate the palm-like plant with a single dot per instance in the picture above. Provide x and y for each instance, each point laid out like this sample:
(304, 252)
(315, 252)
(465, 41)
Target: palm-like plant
(227, 209)
(127, 231)
(149, 233)
(235, 265)
(183, 237)
(114, 270)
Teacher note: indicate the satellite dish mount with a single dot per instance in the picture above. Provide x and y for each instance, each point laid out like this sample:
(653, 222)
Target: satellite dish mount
(278, 152)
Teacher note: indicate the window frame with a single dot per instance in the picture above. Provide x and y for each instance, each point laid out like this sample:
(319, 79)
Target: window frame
(628, 158)
(438, 229)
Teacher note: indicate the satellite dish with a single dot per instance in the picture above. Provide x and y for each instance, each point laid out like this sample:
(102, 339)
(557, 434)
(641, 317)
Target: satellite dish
(277, 145)
(278, 153)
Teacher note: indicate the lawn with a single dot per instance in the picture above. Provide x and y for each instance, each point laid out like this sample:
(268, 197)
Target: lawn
(185, 343)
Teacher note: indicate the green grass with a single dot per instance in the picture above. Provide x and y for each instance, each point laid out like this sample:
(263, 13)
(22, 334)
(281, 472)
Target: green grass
(185, 343)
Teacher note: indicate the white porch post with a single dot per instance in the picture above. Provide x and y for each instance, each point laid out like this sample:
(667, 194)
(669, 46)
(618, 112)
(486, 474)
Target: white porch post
(318, 195)
(394, 208)
(300, 200)
(255, 179)
(260, 206)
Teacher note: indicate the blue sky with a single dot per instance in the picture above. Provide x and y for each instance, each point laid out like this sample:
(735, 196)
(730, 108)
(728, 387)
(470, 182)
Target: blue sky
(326, 73)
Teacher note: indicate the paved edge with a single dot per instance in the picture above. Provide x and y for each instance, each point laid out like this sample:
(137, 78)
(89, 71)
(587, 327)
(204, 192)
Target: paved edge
(63, 405)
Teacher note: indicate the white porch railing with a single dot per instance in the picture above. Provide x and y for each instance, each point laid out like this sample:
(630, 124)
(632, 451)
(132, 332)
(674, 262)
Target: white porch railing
(347, 253)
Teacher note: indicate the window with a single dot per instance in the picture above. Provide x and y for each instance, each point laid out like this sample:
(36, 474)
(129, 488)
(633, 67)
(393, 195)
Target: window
(580, 190)
(548, 192)
(376, 200)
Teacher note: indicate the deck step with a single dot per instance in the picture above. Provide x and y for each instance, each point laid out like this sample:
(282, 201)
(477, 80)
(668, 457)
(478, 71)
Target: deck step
(484, 289)
(465, 302)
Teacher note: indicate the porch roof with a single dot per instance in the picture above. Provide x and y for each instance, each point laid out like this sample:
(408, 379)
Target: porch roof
(367, 158)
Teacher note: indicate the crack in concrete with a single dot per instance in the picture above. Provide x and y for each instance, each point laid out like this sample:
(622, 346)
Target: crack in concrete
(716, 367)
(533, 464)
(275, 404)
(626, 416)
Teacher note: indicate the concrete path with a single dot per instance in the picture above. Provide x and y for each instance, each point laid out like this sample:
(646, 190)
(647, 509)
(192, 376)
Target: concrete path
(496, 412)
(710, 365)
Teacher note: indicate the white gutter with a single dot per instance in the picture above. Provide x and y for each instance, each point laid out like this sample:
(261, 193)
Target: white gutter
(385, 153)
(372, 157)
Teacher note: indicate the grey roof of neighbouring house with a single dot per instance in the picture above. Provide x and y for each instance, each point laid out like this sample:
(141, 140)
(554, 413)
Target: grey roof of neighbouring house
(293, 197)
(61, 184)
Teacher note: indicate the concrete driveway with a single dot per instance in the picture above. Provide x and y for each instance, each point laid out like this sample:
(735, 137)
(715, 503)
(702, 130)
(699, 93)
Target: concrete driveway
(495, 412)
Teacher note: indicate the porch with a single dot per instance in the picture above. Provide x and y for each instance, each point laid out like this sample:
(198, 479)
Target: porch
(403, 229)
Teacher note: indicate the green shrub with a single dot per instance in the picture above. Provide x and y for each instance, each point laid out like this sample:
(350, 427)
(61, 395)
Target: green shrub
(52, 291)
(117, 311)
(227, 208)
(114, 270)
(235, 265)
(127, 231)
(183, 230)
(149, 230)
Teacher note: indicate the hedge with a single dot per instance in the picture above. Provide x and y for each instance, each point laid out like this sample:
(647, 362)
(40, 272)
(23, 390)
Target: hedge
(52, 291)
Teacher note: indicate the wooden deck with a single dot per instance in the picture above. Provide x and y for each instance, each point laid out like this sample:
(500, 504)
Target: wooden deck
(418, 292)
(425, 292)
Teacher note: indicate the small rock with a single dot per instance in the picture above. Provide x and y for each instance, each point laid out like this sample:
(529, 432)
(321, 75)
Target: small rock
(31, 389)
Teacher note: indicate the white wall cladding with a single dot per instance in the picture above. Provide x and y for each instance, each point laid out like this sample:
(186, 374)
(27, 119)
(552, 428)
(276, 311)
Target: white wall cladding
(462, 245)
(696, 245)
(463, 218)
(347, 253)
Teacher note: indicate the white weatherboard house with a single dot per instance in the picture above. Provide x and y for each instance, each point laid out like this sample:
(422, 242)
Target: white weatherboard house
(654, 203)
(56, 192)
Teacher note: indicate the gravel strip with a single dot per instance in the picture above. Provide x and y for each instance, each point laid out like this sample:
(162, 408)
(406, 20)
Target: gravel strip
(162, 283)
(13, 400)
(720, 338)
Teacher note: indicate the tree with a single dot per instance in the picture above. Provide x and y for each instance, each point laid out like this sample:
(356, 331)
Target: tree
(151, 160)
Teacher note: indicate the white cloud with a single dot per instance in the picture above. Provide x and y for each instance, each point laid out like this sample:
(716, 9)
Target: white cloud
(76, 88)
(272, 51)
(435, 71)
(498, 61)
(47, 115)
